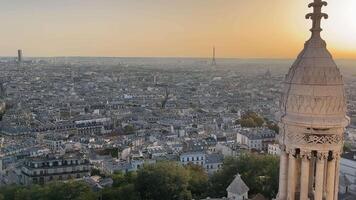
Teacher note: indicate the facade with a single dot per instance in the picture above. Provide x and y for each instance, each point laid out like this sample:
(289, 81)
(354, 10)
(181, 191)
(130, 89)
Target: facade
(213, 162)
(348, 174)
(274, 149)
(312, 121)
(257, 139)
(94, 126)
(42, 170)
(197, 158)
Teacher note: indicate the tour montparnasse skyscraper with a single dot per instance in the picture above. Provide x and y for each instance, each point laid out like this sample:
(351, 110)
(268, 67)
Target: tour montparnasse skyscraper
(312, 121)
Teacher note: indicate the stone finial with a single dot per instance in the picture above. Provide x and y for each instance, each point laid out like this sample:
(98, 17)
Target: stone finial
(316, 16)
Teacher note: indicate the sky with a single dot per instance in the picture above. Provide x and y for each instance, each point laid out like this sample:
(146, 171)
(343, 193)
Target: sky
(171, 28)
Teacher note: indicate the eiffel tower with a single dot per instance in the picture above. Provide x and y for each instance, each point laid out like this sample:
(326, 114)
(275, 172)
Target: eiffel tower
(213, 62)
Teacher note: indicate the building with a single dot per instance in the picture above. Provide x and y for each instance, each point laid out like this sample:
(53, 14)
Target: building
(94, 126)
(197, 158)
(348, 174)
(274, 149)
(312, 121)
(41, 170)
(213, 162)
(256, 138)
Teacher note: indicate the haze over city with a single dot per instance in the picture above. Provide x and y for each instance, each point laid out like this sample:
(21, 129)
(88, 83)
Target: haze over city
(178, 100)
(174, 28)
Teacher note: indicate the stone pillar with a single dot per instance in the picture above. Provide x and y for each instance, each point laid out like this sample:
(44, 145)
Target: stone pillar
(337, 175)
(311, 174)
(304, 182)
(283, 175)
(319, 175)
(291, 175)
(331, 179)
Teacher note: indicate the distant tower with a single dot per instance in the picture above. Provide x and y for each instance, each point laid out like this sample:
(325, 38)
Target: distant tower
(213, 62)
(19, 56)
(312, 121)
(155, 79)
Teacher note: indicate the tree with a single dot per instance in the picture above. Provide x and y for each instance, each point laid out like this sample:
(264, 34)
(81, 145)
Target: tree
(250, 120)
(259, 172)
(121, 179)
(8, 192)
(125, 192)
(198, 182)
(347, 147)
(129, 129)
(248, 123)
(69, 190)
(273, 126)
(164, 180)
(53, 191)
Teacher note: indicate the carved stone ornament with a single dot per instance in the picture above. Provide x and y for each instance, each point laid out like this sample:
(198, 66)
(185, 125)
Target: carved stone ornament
(301, 138)
(306, 154)
(322, 155)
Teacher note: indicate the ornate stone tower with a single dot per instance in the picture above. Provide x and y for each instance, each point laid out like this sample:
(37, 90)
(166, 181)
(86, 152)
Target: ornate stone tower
(312, 121)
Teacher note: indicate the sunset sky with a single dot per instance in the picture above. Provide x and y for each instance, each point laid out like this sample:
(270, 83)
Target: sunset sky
(171, 28)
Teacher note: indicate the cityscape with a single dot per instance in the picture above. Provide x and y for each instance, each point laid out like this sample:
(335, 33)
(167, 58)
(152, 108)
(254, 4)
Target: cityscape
(137, 128)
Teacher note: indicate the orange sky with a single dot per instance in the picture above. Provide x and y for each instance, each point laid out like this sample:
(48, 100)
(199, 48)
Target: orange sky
(182, 28)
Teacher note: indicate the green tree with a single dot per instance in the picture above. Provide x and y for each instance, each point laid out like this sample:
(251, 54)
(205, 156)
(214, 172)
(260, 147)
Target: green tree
(273, 126)
(121, 179)
(198, 181)
(248, 123)
(8, 192)
(125, 192)
(69, 190)
(250, 120)
(52, 191)
(129, 129)
(164, 180)
(347, 147)
(260, 173)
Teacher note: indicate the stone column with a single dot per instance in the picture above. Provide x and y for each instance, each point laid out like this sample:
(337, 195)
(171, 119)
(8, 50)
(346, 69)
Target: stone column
(304, 182)
(337, 175)
(319, 175)
(283, 175)
(311, 174)
(291, 175)
(331, 179)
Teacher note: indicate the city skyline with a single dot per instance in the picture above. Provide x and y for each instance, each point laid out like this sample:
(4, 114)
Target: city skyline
(174, 28)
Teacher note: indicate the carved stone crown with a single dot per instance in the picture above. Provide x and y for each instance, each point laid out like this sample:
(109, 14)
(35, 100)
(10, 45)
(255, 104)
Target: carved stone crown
(313, 93)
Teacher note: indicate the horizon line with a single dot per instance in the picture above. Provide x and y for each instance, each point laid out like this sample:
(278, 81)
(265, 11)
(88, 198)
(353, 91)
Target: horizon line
(171, 57)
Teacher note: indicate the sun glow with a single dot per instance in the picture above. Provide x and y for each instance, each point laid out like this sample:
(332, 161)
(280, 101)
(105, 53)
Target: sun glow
(341, 27)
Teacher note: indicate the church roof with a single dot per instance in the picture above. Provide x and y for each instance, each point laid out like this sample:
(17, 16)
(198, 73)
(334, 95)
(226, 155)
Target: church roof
(238, 186)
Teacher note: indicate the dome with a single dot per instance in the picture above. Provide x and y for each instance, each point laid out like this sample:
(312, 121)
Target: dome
(313, 94)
